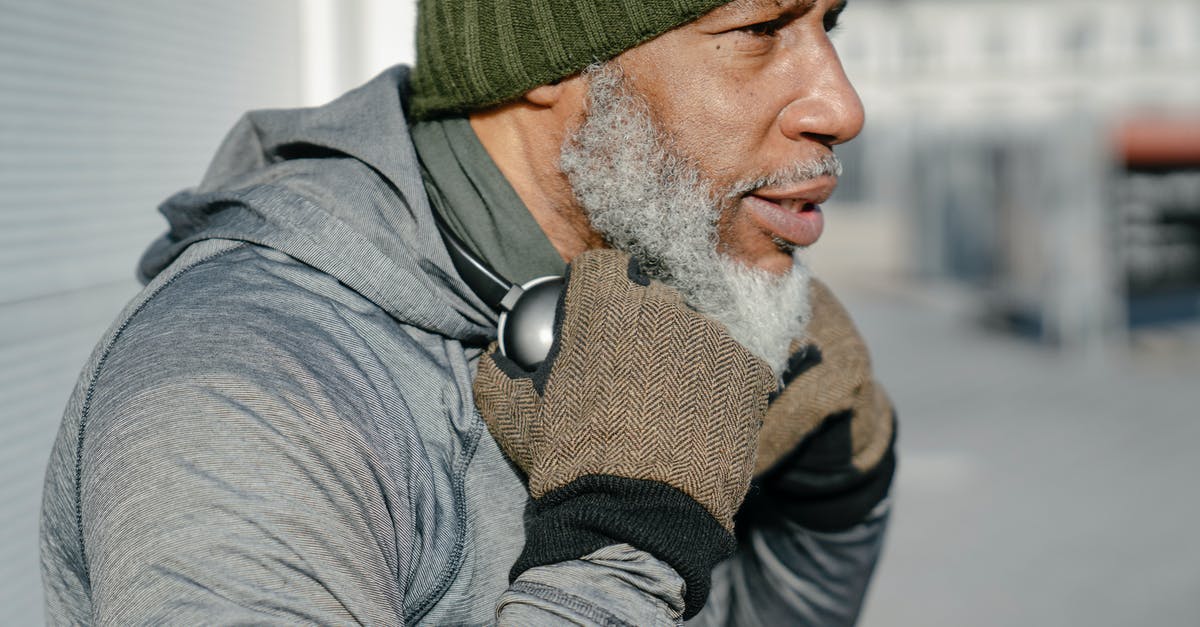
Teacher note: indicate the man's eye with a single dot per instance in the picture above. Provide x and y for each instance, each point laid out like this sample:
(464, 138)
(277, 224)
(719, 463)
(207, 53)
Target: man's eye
(765, 29)
(831, 18)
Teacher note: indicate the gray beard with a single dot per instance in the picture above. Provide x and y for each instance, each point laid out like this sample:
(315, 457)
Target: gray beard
(648, 200)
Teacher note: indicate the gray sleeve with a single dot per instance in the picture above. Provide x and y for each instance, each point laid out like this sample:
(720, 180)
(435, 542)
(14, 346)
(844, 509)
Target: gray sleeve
(787, 575)
(781, 575)
(617, 585)
(216, 499)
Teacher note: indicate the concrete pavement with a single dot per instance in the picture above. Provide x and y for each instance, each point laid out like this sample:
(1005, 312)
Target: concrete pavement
(1034, 489)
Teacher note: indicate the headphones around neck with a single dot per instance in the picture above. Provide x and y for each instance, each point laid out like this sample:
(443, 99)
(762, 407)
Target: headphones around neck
(526, 311)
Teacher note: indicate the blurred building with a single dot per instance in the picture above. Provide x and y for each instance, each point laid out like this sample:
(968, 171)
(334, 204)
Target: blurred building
(1046, 153)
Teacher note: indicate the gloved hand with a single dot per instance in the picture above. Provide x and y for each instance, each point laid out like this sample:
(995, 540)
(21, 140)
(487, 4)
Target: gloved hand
(825, 454)
(640, 427)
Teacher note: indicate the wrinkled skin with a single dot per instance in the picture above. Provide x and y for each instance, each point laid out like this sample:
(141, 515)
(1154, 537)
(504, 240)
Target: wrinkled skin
(745, 90)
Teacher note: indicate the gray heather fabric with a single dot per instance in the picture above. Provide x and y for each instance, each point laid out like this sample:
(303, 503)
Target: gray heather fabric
(788, 575)
(279, 429)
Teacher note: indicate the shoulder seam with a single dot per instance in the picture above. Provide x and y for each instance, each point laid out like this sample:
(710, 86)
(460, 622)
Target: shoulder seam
(87, 402)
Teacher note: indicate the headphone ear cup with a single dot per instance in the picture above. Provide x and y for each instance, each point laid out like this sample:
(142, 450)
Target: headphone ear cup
(527, 325)
(526, 331)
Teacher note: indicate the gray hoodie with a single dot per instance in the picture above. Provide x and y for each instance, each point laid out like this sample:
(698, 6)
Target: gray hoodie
(280, 427)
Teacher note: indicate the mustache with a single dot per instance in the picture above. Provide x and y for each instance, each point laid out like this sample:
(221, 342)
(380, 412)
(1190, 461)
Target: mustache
(794, 174)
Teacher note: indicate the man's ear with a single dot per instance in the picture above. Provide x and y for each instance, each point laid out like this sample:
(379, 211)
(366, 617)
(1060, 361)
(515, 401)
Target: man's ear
(546, 95)
(563, 91)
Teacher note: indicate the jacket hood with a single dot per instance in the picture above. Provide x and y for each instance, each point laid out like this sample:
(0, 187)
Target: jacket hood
(337, 187)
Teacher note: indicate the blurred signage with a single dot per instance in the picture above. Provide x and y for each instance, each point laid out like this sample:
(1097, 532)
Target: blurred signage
(1157, 206)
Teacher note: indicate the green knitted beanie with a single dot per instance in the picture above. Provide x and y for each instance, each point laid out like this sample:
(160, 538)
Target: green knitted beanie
(472, 54)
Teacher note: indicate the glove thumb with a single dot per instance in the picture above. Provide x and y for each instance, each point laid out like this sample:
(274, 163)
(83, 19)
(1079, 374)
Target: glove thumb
(508, 402)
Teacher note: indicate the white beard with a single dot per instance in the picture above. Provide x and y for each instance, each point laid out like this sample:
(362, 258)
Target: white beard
(648, 200)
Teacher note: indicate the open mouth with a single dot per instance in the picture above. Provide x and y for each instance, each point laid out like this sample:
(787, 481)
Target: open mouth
(794, 205)
(790, 222)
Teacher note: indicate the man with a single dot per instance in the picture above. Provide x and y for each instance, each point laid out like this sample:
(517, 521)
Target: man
(303, 417)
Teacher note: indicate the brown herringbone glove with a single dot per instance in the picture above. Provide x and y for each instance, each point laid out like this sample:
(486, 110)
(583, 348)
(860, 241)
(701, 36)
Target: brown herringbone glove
(826, 442)
(640, 426)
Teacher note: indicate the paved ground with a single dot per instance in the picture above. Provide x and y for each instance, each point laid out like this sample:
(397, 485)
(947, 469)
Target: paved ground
(1034, 489)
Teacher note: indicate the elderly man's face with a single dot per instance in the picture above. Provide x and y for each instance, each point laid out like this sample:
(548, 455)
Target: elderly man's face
(751, 90)
(705, 153)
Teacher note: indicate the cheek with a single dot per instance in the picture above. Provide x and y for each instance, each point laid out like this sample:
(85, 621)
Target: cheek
(716, 123)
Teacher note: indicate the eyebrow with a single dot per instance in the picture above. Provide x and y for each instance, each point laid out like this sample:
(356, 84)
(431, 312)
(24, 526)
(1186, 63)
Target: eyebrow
(794, 8)
(740, 9)
(798, 6)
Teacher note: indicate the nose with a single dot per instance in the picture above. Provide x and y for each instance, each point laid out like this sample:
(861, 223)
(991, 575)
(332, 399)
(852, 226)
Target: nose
(826, 108)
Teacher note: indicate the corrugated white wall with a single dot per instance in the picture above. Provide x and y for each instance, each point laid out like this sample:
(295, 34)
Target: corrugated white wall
(105, 109)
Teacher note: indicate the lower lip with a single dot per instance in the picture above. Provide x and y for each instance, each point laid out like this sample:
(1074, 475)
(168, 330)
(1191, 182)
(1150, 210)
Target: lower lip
(802, 228)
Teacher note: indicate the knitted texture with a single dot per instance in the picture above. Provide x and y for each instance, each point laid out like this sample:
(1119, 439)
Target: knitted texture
(832, 376)
(472, 54)
(637, 385)
(597, 511)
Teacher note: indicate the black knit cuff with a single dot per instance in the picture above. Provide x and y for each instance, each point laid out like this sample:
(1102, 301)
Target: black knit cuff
(820, 489)
(596, 511)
